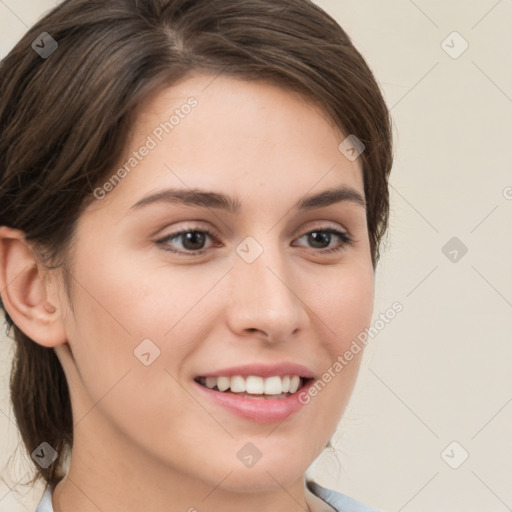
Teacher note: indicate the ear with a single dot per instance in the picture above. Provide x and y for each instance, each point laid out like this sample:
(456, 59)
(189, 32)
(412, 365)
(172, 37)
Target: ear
(24, 293)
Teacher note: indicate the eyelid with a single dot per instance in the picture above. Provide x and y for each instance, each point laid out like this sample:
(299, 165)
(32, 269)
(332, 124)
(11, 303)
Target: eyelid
(193, 225)
(197, 226)
(322, 225)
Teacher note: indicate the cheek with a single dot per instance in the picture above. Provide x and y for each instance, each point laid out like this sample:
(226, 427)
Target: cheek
(125, 303)
(119, 316)
(344, 309)
(344, 303)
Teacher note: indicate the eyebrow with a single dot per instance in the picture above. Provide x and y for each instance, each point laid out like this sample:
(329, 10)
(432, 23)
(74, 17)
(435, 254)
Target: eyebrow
(206, 199)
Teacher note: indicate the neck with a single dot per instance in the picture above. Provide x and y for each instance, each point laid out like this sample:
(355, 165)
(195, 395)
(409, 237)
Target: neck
(98, 480)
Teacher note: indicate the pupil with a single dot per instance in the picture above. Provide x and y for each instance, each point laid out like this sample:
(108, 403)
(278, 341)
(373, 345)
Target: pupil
(325, 236)
(193, 236)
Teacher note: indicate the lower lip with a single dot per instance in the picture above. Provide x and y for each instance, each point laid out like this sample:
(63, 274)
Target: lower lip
(259, 410)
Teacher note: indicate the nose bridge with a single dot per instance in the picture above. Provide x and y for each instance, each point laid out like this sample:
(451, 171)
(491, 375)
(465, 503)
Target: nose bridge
(262, 291)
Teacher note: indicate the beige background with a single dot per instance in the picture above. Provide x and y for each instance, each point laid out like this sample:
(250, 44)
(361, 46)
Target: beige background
(440, 371)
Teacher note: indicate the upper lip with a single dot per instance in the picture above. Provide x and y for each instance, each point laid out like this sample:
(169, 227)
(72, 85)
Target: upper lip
(262, 370)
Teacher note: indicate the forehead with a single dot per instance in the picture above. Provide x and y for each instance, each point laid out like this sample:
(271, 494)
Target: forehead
(238, 136)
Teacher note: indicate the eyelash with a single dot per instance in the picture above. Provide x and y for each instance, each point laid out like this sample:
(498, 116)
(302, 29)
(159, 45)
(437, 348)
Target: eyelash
(345, 238)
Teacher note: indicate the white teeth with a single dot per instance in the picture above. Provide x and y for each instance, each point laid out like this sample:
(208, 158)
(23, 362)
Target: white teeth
(273, 386)
(223, 383)
(237, 384)
(294, 383)
(211, 382)
(254, 385)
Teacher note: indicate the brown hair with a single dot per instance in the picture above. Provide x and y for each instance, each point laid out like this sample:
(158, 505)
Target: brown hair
(65, 121)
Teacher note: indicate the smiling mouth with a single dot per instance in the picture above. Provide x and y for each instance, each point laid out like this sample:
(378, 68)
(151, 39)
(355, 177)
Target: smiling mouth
(254, 386)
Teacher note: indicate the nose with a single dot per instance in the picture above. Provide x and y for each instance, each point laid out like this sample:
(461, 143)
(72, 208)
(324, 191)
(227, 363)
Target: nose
(265, 299)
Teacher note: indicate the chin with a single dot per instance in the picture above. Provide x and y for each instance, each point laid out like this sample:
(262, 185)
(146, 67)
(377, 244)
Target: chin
(263, 478)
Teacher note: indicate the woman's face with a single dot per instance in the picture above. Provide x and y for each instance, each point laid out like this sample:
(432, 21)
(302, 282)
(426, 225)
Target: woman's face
(251, 291)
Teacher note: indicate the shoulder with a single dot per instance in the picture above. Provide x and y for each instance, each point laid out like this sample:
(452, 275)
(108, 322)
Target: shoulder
(341, 502)
(45, 505)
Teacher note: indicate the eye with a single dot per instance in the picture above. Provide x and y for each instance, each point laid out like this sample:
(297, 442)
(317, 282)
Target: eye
(323, 236)
(193, 243)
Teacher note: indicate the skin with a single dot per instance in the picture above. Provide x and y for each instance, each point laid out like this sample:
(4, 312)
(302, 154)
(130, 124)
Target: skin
(144, 438)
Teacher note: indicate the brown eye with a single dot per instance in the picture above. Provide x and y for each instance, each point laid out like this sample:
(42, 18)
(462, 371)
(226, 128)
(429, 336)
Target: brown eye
(321, 237)
(192, 241)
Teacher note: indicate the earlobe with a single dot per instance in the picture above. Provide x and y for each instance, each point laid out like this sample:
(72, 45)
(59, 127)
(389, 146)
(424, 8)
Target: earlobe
(23, 291)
